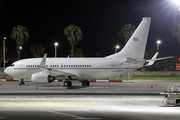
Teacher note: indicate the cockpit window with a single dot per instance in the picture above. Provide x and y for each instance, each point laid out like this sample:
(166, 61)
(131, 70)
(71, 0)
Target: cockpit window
(12, 65)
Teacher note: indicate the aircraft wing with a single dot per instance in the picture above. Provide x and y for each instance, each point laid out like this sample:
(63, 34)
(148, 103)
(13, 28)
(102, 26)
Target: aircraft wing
(151, 61)
(53, 72)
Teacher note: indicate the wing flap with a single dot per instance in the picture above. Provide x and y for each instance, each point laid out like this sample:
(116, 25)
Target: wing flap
(60, 73)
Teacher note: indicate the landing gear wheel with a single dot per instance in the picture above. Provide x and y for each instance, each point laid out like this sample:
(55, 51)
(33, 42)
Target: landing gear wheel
(22, 82)
(85, 83)
(67, 84)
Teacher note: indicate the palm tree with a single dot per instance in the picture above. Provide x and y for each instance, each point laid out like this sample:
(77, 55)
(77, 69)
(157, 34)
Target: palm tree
(126, 31)
(74, 35)
(21, 35)
(78, 52)
(176, 30)
(37, 50)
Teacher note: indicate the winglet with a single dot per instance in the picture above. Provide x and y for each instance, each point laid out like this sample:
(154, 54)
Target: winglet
(43, 61)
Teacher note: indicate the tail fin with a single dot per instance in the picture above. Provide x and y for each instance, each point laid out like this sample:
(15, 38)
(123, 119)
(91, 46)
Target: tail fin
(135, 47)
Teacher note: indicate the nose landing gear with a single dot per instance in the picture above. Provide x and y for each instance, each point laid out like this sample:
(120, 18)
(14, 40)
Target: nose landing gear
(22, 82)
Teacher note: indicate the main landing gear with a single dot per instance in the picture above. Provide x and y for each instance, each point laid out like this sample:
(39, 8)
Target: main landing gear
(85, 83)
(22, 82)
(67, 84)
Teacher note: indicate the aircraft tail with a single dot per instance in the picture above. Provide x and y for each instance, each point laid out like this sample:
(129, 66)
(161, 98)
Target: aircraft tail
(135, 47)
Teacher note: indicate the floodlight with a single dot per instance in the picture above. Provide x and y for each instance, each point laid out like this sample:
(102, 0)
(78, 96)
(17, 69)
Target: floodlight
(56, 44)
(117, 46)
(177, 2)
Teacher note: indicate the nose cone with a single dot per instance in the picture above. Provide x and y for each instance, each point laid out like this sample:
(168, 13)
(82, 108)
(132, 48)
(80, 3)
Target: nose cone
(6, 70)
(9, 72)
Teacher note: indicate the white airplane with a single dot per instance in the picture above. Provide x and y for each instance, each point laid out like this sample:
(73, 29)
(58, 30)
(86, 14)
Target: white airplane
(46, 70)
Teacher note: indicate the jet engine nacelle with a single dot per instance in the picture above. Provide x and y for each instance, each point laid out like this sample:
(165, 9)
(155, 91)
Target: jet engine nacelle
(42, 78)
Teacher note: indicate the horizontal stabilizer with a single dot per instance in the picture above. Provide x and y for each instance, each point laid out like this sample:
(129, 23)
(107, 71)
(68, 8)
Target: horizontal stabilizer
(151, 61)
(163, 58)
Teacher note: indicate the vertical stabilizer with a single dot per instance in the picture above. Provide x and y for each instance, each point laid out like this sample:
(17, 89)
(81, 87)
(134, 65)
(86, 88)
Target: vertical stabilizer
(135, 47)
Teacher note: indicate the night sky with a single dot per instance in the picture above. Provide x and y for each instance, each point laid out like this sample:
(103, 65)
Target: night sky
(99, 20)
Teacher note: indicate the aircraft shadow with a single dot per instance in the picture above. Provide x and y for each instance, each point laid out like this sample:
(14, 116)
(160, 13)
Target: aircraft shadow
(75, 87)
(49, 85)
(72, 87)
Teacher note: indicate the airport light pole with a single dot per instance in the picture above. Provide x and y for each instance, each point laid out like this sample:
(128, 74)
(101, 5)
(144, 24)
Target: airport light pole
(97, 54)
(158, 42)
(55, 44)
(19, 49)
(116, 48)
(4, 50)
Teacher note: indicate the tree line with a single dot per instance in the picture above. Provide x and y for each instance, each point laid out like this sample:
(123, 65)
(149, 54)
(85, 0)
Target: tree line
(21, 35)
